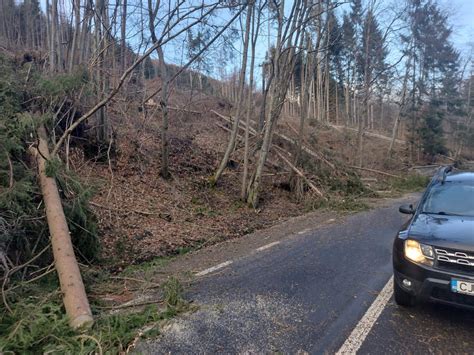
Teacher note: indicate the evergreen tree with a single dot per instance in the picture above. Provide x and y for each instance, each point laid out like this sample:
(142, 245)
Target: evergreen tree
(30, 29)
(431, 130)
(376, 53)
(195, 42)
(357, 21)
(348, 44)
(434, 74)
(336, 47)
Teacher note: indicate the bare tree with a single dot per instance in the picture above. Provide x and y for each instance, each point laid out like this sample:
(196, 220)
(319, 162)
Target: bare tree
(123, 34)
(254, 35)
(240, 103)
(164, 170)
(77, 30)
(289, 38)
(401, 108)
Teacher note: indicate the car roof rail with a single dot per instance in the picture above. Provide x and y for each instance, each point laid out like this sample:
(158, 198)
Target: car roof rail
(443, 172)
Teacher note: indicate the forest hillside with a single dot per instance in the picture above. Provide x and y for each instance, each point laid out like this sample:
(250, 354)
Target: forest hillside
(109, 141)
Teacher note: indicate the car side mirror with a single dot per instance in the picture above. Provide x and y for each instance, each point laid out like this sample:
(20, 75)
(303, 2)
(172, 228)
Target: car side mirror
(406, 209)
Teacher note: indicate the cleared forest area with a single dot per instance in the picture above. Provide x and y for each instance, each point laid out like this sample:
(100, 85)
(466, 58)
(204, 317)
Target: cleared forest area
(136, 130)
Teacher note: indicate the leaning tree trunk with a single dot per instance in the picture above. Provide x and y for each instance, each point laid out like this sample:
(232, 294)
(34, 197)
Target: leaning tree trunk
(72, 287)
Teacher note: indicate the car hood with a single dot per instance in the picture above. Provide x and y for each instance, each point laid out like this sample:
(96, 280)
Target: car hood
(452, 232)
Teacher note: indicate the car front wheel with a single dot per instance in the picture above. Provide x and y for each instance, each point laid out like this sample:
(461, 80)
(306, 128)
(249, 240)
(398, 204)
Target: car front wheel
(402, 297)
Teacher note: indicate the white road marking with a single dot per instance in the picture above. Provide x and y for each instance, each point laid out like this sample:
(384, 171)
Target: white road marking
(214, 268)
(267, 246)
(304, 231)
(362, 329)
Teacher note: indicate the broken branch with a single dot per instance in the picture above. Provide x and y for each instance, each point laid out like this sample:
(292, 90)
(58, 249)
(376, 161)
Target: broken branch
(300, 173)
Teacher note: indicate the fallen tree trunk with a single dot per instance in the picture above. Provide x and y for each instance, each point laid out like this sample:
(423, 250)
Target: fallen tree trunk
(368, 134)
(241, 124)
(184, 110)
(281, 136)
(374, 171)
(269, 162)
(300, 173)
(72, 287)
(306, 150)
(156, 106)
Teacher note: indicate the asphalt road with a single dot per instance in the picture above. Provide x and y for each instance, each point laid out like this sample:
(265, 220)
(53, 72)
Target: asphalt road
(306, 293)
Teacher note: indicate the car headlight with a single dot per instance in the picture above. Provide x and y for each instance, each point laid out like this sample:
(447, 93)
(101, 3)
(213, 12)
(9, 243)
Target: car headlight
(419, 253)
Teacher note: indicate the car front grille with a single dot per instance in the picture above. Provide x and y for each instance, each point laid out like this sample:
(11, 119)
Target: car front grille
(455, 260)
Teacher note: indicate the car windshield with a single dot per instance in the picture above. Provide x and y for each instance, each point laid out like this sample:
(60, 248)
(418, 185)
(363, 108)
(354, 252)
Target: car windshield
(450, 198)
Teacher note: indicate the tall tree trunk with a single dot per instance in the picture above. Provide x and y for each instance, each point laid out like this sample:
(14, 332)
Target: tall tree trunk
(283, 68)
(347, 102)
(235, 126)
(327, 93)
(319, 88)
(77, 30)
(469, 118)
(304, 88)
(101, 19)
(52, 35)
(367, 79)
(372, 116)
(313, 87)
(337, 106)
(382, 112)
(123, 34)
(254, 36)
(164, 171)
(57, 37)
(402, 107)
(354, 109)
(84, 37)
(328, 75)
(413, 105)
(263, 108)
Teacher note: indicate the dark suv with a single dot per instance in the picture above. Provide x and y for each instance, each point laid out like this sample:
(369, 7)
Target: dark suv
(433, 254)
